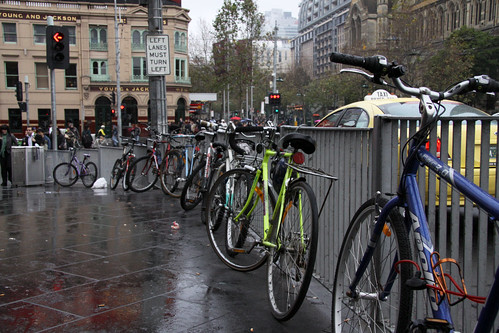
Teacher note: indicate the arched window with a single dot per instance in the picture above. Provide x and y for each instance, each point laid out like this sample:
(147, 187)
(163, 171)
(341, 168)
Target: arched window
(136, 37)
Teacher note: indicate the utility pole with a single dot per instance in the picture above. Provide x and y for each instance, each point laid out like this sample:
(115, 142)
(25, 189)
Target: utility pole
(26, 88)
(157, 84)
(50, 21)
(274, 74)
(118, 82)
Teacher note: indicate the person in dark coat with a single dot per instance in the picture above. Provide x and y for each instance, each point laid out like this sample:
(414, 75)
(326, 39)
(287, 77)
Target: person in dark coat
(7, 140)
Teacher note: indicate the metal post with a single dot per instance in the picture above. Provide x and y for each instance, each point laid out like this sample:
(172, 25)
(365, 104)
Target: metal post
(274, 82)
(157, 84)
(118, 82)
(50, 21)
(26, 88)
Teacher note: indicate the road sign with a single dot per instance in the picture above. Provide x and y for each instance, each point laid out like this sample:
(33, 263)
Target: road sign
(158, 55)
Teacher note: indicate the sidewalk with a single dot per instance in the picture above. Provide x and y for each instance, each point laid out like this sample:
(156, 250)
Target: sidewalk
(76, 259)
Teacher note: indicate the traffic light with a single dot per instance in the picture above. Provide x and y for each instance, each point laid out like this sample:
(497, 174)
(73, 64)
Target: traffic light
(113, 98)
(275, 99)
(113, 113)
(19, 91)
(57, 39)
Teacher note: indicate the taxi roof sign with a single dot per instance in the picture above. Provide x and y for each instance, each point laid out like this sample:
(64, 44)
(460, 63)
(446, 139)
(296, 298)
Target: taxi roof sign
(379, 94)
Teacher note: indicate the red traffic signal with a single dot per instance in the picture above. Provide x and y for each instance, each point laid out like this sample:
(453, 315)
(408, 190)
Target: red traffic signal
(275, 99)
(57, 47)
(58, 36)
(122, 107)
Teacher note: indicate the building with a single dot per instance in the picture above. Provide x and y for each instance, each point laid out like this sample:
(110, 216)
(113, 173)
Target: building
(287, 24)
(320, 32)
(83, 91)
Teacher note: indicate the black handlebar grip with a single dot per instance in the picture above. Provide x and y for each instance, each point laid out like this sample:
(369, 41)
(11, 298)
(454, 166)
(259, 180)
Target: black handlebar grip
(249, 129)
(234, 146)
(347, 59)
(377, 65)
(493, 86)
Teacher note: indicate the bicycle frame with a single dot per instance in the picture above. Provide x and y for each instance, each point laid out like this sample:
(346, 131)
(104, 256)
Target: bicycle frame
(76, 162)
(411, 200)
(278, 209)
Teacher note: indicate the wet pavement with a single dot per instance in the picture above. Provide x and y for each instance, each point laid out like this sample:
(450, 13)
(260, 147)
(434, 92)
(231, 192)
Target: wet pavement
(84, 260)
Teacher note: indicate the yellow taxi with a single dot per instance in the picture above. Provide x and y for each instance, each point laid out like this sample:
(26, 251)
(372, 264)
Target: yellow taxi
(361, 115)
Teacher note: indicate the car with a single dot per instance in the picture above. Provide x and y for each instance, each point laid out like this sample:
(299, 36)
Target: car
(361, 115)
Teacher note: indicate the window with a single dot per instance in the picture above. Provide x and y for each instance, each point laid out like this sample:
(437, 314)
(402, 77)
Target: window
(180, 41)
(44, 121)
(11, 74)
(98, 38)
(15, 120)
(71, 77)
(42, 76)
(139, 69)
(181, 71)
(72, 35)
(99, 70)
(9, 33)
(139, 40)
(355, 117)
(72, 115)
(39, 33)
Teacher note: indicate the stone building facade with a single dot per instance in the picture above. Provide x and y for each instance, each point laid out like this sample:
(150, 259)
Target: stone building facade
(83, 91)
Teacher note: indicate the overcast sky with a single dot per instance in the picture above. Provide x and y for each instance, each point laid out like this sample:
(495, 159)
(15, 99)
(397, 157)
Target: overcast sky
(208, 9)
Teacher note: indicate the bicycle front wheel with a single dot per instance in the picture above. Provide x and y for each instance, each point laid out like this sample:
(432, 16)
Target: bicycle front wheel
(365, 309)
(124, 184)
(143, 174)
(192, 192)
(237, 242)
(65, 174)
(116, 173)
(89, 174)
(291, 262)
(171, 171)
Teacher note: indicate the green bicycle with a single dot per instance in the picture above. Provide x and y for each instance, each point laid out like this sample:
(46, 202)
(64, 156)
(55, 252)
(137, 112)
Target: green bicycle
(247, 226)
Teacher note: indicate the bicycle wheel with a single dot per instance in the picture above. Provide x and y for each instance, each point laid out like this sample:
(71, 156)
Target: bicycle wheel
(116, 173)
(192, 192)
(362, 310)
(171, 171)
(124, 183)
(237, 243)
(291, 263)
(65, 174)
(89, 174)
(143, 174)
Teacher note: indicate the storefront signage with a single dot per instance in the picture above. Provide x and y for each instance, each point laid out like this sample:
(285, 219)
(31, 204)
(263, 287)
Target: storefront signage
(5, 14)
(158, 55)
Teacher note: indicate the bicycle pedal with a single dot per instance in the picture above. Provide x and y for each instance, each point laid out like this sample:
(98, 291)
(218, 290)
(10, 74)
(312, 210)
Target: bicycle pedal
(421, 326)
(416, 283)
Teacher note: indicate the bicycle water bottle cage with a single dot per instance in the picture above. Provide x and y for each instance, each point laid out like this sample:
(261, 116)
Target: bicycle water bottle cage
(299, 141)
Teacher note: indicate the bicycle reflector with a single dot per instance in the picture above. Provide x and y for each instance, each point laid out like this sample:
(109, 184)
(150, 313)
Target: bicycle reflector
(299, 158)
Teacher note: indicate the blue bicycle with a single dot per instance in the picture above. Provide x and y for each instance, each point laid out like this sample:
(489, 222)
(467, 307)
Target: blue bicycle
(66, 174)
(377, 273)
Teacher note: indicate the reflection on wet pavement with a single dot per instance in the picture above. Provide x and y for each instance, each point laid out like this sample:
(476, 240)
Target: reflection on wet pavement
(77, 259)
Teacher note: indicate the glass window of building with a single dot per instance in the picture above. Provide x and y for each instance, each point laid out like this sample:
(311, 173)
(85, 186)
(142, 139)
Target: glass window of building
(9, 32)
(98, 38)
(139, 39)
(71, 77)
(99, 70)
(180, 41)
(39, 33)
(15, 120)
(180, 69)
(72, 35)
(11, 74)
(42, 76)
(139, 69)
(44, 121)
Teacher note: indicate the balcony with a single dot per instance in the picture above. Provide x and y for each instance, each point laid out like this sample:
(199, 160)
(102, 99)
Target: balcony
(182, 80)
(140, 78)
(99, 78)
(98, 46)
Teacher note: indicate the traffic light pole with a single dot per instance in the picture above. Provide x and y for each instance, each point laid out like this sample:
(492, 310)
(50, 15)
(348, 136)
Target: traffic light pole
(26, 88)
(118, 85)
(50, 21)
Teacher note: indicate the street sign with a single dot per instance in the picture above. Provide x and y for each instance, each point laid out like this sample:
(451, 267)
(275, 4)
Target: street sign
(158, 55)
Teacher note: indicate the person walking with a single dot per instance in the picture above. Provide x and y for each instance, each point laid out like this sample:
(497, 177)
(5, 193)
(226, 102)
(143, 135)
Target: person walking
(7, 140)
(29, 138)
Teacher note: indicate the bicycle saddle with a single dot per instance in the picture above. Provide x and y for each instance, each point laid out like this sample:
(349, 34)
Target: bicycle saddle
(299, 141)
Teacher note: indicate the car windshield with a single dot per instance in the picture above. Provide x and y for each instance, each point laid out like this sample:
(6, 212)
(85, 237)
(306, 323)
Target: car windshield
(452, 109)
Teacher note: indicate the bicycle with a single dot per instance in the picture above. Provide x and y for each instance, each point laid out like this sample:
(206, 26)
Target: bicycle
(376, 273)
(247, 226)
(67, 174)
(121, 166)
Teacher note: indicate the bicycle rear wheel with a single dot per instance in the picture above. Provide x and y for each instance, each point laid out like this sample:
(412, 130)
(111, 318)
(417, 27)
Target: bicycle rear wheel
(143, 174)
(171, 171)
(65, 174)
(124, 183)
(89, 174)
(236, 243)
(291, 263)
(362, 310)
(116, 173)
(192, 193)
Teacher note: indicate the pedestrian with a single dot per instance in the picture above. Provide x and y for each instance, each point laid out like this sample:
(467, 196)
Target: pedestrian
(61, 140)
(86, 137)
(42, 140)
(101, 135)
(29, 137)
(7, 140)
(72, 135)
(114, 136)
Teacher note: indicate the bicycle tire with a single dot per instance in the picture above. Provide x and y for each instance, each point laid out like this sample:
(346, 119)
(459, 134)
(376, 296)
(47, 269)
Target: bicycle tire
(170, 173)
(143, 174)
(65, 174)
(355, 314)
(192, 193)
(89, 174)
(224, 204)
(291, 263)
(215, 174)
(124, 183)
(116, 173)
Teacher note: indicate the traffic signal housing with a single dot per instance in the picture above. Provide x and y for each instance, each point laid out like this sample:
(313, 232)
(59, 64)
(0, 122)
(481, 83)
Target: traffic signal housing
(275, 99)
(19, 91)
(113, 98)
(57, 39)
